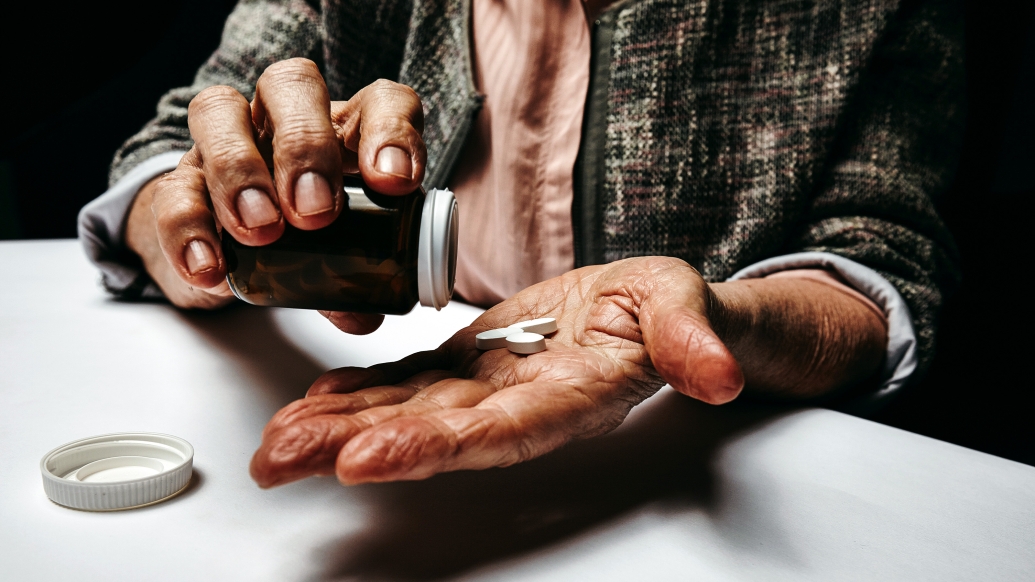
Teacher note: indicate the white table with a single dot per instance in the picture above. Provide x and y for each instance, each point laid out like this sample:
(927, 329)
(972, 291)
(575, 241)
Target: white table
(682, 491)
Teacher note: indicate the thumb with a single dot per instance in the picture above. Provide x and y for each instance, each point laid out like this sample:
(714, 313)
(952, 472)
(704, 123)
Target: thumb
(683, 347)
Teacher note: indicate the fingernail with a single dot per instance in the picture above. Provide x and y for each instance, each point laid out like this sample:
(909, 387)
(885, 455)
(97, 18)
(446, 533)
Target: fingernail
(199, 257)
(313, 195)
(394, 162)
(256, 208)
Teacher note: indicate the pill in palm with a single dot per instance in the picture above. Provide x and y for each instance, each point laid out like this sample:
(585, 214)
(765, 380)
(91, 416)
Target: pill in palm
(494, 338)
(526, 343)
(542, 326)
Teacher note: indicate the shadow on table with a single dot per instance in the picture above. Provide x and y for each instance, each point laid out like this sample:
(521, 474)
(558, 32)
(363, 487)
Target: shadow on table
(249, 336)
(453, 523)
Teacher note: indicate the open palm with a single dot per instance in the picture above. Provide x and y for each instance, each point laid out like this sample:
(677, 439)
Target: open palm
(624, 329)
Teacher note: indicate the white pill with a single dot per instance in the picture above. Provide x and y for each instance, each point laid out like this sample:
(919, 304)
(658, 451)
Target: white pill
(494, 339)
(526, 343)
(543, 325)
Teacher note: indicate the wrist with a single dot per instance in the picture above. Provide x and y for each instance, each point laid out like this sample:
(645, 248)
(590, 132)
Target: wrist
(733, 312)
(796, 337)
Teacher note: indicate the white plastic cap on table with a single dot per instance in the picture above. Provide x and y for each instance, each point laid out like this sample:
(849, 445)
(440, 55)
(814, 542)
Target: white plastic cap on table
(117, 471)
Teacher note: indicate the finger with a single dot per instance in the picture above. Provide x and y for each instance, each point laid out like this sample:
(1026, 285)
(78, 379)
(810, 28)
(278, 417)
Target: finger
(514, 425)
(355, 401)
(293, 107)
(141, 236)
(184, 225)
(336, 404)
(237, 178)
(310, 446)
(343, 380)
(383, 124)
(354, 323)
(682, 345)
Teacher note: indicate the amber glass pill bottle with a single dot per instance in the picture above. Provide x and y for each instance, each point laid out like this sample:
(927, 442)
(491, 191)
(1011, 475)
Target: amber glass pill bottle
(383, 254)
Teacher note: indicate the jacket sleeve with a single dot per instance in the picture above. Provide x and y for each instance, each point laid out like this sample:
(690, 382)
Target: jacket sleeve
(894, 157)
(257, 34)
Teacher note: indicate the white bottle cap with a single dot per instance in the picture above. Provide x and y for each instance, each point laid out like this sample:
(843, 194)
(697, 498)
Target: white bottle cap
(117, 471)
(436, 250)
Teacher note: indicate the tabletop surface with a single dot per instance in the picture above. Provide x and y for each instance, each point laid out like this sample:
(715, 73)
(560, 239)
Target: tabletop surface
(681, 491)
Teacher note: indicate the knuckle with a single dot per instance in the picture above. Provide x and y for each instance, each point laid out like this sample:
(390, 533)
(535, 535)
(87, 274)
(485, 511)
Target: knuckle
(384, 108)
(167, 182)
(290, 71)
(293, 444)
(393, 126)
(170, 187)
(179, 213)
(394, 90)
(402, 446)
(384, 85)
(293, 65)
(298, 137)
(215, 97)
(227, 152)
(287, 415)
(396, 97)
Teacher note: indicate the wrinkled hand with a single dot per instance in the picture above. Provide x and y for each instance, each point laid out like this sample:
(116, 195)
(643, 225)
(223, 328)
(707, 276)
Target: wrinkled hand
(279, 159)
(624, 330)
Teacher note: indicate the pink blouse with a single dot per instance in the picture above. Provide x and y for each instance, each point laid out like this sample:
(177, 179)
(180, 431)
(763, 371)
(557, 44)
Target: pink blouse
(514, 182)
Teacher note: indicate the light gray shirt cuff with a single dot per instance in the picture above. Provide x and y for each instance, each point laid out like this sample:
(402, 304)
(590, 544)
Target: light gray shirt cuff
(102, 231)
(901, 359)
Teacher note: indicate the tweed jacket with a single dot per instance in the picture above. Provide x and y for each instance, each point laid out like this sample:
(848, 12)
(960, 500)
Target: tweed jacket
(721, 132)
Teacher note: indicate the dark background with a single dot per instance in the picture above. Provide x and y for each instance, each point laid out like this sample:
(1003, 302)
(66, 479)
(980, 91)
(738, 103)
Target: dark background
(82, 77)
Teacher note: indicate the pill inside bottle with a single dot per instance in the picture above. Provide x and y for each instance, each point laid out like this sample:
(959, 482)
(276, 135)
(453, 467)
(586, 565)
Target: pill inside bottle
(383, 254)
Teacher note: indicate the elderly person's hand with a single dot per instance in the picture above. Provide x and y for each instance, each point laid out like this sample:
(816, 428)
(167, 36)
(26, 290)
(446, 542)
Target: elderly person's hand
(256, 165)
(624, 330)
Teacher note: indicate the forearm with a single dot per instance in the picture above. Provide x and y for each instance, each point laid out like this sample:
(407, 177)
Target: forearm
(796, 338)
(290, 28)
